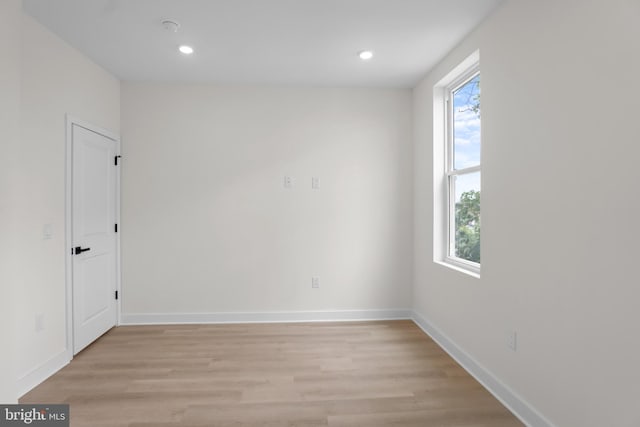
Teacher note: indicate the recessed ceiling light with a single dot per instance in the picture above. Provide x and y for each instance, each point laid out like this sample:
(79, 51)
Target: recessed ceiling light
(365, 55)
(187, 50)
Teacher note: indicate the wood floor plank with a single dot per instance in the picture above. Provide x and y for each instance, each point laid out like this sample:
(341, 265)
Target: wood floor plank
(270, 375)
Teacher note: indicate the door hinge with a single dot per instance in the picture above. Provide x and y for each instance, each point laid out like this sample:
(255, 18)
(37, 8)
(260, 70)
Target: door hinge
(115, 160)
(116, 228)
(116, 294)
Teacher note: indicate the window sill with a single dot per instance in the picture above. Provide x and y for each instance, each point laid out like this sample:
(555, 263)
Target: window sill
(459, 268)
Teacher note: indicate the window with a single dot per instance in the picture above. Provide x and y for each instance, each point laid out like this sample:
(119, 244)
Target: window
(458, 187)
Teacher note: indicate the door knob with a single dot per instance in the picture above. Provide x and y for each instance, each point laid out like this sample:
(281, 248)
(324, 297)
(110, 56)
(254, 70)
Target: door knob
(79, 250)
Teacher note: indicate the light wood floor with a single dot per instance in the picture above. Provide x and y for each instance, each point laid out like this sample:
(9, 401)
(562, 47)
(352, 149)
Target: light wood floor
(365, 374)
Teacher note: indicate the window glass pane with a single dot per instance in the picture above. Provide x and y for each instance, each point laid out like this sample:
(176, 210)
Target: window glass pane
(466, 124)
(466, 214)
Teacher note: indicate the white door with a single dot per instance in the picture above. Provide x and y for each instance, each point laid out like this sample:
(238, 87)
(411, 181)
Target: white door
(93, 210)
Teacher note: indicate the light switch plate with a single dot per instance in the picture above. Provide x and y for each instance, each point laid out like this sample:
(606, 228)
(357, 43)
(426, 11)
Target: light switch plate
(47, 231)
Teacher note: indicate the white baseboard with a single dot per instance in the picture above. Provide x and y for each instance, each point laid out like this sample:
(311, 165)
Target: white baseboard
(516, 404)
(262, 317)
(40, 373)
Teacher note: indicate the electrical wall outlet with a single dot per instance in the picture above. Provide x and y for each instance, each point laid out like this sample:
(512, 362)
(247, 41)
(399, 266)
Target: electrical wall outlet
(512, 340)
(315, 183)
(39, 322)
(288, 182)
(315, 282)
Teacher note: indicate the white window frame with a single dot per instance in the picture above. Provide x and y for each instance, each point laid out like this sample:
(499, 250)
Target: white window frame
(444, 172)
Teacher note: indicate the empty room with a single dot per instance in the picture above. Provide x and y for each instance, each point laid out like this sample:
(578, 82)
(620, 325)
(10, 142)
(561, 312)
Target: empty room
(340, 213)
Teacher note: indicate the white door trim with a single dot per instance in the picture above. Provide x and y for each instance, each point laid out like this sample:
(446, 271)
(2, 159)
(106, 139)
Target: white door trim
(70, 121)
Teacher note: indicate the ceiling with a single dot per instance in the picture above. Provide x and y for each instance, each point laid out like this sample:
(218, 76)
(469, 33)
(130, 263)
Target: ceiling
(290, 42)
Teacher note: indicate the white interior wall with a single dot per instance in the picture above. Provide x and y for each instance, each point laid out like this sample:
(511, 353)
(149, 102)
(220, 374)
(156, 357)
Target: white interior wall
(10, 34)
(559, 200)
(208, 226)
(559, 209)
(56, 80)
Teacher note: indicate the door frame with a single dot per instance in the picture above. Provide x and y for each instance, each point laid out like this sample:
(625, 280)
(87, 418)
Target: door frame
(70, 122)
